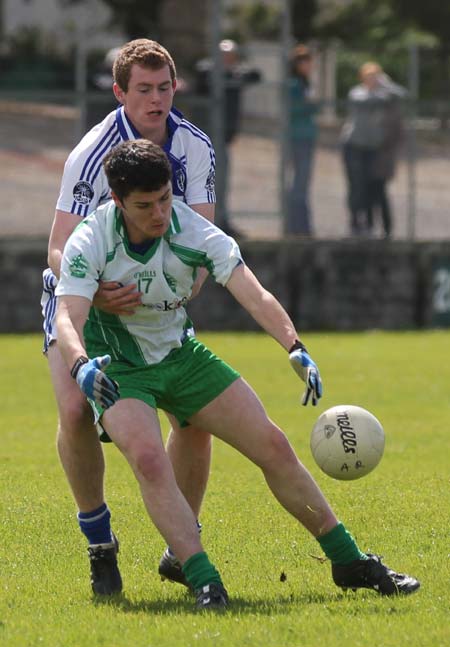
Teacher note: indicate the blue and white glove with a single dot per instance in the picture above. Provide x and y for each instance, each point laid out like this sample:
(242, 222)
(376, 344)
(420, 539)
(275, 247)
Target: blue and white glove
(307, 369)
(93, 382)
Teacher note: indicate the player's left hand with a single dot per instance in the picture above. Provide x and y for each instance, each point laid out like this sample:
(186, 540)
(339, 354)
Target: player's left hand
(307, 369)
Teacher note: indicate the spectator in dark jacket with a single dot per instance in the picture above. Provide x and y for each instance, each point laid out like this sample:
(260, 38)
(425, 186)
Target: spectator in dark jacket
(237, 75)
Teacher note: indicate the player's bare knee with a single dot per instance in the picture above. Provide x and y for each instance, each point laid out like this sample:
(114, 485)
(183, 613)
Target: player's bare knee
(149, 463)
(276, 450)
(75, 417)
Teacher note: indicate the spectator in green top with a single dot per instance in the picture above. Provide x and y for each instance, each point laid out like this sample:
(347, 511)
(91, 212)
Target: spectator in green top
(303, 135)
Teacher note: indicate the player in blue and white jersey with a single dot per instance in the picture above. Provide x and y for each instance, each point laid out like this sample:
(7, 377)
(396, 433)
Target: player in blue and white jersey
(145, 361)
(144, 85)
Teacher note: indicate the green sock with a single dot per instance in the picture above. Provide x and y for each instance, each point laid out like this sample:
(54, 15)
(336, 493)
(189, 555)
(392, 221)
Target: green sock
(199, 571)
(339, 546)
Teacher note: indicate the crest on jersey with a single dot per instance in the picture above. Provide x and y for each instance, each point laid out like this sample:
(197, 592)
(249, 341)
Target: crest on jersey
(78, 266)
(180, 180)
(211, 180)
(83, 192)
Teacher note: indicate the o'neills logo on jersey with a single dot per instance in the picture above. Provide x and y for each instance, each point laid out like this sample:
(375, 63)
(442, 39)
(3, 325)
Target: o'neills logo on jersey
(211, 180)
(83, 192)
(180, 180)
(166, 306)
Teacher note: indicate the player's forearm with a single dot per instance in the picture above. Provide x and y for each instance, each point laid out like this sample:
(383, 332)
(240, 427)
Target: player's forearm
(273, 318)
(54, 261)
(63, 225)
(262, 306)
(69, 341)
(70, 324)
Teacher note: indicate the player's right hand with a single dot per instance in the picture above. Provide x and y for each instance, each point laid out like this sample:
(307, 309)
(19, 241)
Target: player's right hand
(95, 384)
(116, 299)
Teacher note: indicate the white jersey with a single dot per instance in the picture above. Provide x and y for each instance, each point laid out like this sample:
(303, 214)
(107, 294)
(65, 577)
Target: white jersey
(84, 185)
(99, 250)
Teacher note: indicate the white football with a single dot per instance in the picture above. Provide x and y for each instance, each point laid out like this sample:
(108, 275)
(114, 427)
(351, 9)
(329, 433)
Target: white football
(347, 442)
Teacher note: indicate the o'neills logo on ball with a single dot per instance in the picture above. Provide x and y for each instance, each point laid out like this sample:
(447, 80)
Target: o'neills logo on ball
(347, 433)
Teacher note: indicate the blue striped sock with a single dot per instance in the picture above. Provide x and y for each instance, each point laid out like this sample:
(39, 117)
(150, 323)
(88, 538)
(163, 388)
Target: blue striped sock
(96, 525)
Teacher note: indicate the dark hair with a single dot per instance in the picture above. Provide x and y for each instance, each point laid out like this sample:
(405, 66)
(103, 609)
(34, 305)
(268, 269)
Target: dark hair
(299, 53)
(143, 52)
(136, 165)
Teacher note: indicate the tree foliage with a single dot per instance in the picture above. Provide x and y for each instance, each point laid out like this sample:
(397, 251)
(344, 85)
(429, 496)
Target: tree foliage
(137, 18)
(362, 23)
(431, 16)
(254, 20)
(383, 30)
(304, 14)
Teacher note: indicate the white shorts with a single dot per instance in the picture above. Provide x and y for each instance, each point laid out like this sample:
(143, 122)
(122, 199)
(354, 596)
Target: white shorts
(48, 305)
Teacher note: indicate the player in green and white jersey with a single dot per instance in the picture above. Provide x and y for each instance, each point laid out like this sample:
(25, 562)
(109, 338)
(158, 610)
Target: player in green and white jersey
(164, 270)
(147, 361)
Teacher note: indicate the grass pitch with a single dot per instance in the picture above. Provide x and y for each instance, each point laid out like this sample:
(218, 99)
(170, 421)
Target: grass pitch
(281, 595)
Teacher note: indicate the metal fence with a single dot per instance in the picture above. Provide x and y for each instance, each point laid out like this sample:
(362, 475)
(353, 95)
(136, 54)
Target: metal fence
(38, 131)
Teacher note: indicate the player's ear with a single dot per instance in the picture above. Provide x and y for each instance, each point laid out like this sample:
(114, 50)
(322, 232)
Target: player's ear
(118, 93)
(174, 85)
(117, 201)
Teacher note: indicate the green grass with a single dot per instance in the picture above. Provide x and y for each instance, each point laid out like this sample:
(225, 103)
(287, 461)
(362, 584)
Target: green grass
(400, 510)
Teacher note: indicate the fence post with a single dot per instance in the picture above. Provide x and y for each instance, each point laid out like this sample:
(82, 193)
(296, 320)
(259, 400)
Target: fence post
(413, 85)
(286, 44)
(81, 71)
(216, 104)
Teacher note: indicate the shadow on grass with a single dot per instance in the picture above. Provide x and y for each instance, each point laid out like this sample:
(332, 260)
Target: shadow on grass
(275, 605)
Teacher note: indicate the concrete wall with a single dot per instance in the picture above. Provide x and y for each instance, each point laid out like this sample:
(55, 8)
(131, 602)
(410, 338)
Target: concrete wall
(324, 285)
(21, 264)
(341, 285)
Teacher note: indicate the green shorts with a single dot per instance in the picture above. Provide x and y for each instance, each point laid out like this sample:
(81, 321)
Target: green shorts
(182, 383)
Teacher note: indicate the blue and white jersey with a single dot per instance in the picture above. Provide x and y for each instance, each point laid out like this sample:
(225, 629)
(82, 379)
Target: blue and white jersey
(84, 185)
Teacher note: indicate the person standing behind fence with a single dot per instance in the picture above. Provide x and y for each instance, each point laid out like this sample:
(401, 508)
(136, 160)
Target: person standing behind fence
(237, 75)
(385, 162)
(371, 136)
(303, 135)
